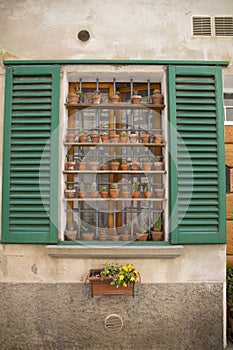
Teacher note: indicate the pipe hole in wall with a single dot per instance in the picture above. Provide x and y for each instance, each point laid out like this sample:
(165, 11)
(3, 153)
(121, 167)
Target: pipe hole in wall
(83, 35)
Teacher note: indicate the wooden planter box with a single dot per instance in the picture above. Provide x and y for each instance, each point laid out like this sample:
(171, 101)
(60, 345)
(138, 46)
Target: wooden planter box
(100, 288)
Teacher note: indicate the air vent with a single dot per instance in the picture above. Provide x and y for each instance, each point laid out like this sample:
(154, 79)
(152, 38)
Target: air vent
(223, 26)
(202, 26)
(113, 323)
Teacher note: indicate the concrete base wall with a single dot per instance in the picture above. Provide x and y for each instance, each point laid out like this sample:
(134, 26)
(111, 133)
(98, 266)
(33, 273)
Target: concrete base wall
(65, 317)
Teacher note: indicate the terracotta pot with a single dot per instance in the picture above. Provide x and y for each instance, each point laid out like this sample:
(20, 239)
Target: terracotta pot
(82, 165)
(95, 138)
(114, 192)
(96, 99)
(157, 99)
(114, 98)
(94, 194)
(133, 138)
(104, 167)
(159, 192)
(70, 165)
(136, 194)
(83, 138)
(147, 166)
(104, 194)
(72, 97)
(135, 165)
(88, 236)
(70, 137)
(100, 288)
(136, 99)
(124, 166)
(125, 237)
(147, 194)
(158, 166)
(115, 238)
(70, 193)
(145, 138)
(123, 139)
(114, 138)
(125, 194)
(104, 138)
(71, 234)
(103, 237)
(141, 236)
(156, 236)
(114, 165)
(94, 165)
(82, 194)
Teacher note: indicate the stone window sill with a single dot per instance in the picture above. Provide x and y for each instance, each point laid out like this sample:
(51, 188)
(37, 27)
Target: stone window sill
(152, 252)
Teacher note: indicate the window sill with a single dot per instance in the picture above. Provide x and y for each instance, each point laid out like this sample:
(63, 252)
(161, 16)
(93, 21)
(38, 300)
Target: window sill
(146, 252)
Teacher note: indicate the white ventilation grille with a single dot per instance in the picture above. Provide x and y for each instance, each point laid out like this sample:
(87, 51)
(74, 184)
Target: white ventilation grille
(202, 26)
(113, 323)
(223, 26)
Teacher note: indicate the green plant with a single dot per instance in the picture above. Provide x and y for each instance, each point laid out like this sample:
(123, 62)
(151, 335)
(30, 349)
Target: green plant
(136, 186)
(157, 158)
(114, 186)
(79, 92)
(122, 275)
(229, 282)
(123, 133)
(115, 233)
(81, 187)
(148, 187)
(157, 223)
(104, 189)
(125, 188)
(94, 186)
(156, 91)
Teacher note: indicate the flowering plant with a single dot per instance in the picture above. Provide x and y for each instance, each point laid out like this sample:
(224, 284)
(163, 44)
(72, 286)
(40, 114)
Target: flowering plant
(122, 275)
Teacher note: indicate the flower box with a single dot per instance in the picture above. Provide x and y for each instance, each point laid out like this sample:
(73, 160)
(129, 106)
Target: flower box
(101, 288)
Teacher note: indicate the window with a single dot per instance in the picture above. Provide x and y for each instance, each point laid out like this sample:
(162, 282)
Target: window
(36, 172)
(228, 108)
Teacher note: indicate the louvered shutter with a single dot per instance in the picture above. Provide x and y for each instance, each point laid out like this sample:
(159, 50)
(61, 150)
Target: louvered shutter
(29, 212)
(197, 166)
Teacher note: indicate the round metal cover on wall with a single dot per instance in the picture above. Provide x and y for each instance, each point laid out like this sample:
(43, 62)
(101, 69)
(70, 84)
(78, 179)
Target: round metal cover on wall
(113, 323)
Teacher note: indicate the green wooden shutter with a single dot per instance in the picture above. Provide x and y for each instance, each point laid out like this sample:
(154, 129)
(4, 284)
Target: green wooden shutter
(197, 157)
(30, 164)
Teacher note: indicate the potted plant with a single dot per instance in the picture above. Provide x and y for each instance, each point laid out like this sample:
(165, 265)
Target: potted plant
(159, 191)
(136, 98)
(96, 97)
(141, 233)
(136, 189)
(157, 97)
(124, 164)
(70, 137)
(115, 98)
(148, 190)
(94, 163)
(145, 137)
(158, 163)
(83, 136)
(70, 163)
(94, 192)
(88, 236)
(133, 137)
(125, 191)
(103, 235)
(115, 237)
(70, 192)
(75, 97)
(104, 192)
(104, 136)
(157, 137)
(114, 164)
(147, 164)
(156, 230)
(124, 137)
(82, 165)
(114, 138)
(81, 190)
(125, 235)
(95, 137)
(114, 190)
(135, 164)
(113, 279)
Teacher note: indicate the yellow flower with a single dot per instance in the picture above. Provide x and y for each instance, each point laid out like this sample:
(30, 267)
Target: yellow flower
(121, 277)
(132, 279)
(125, 268)
(124, 284)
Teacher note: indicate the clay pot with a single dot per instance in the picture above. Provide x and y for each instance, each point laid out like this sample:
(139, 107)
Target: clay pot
(104, 194)
(96, 99)
(159, 192)
(72, 97)
(125, 237)
(70, 137)
(70, 165)
(94, 194)
(141, 236)
(125, 194)
(156, 236)
(135, 165)
(133, 138)
(82, 165)
(95, 138)
(114, 165)
(158, 166)
(157, 139)
(114, 138)
(147, 194)
(115, 238)
(123, 139)
(82, 194)
(83, 138)
(71, 234)
(103, 237)
(114, 192)
(147, 166)
(94, 165)
(157, 99)
(104, 167)
(136, 99)
(104, 138)
(114, 98)
(136, 194)
(88, 236)
(70, 193)
(124, 166)
(145, 138)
